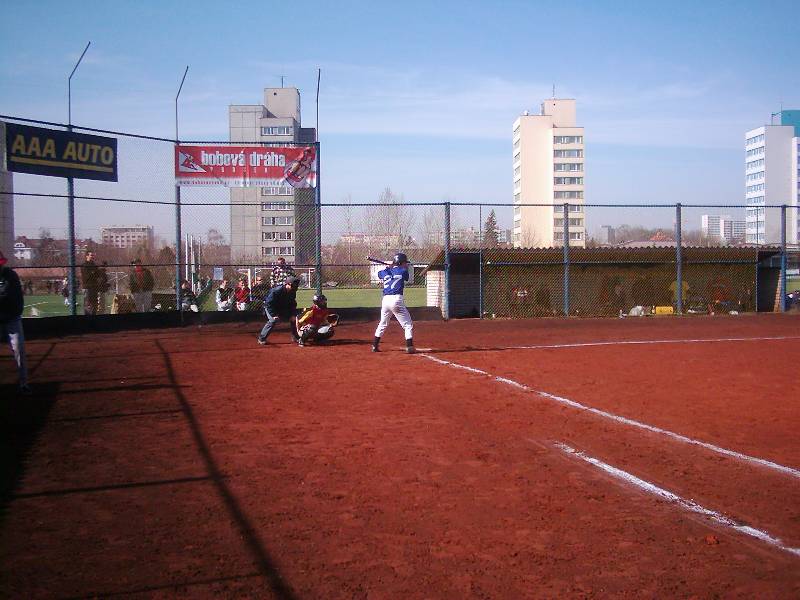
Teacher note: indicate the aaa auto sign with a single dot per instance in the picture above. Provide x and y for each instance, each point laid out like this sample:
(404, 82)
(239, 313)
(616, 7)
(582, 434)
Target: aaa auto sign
(41, 151)
(241, 166)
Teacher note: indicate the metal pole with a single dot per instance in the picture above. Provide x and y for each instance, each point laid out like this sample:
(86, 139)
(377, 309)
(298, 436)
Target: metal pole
(446, 294)
(783, 258)
(73, 279)
(318, 197)
(480, 261)
(318, 226)
(178, 207)
(678, 260)
(566, 259)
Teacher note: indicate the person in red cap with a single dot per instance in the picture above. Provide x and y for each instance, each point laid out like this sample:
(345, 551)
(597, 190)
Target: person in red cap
(11, 305)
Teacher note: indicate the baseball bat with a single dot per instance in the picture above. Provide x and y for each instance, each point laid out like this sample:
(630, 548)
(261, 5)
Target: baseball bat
(379, 261)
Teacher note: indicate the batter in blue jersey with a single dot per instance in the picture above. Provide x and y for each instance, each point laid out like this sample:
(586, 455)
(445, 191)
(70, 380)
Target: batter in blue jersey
(394, 279)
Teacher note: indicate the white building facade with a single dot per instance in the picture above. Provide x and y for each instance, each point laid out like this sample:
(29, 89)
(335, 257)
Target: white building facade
(270, 222)
(548, 167)
(771, 178)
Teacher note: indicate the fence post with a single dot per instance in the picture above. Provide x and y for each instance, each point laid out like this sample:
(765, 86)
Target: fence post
(178, 244)
(446, 295)
(480, 261)
(318, 226)
(566, 259)
(783, 258)
(73, 280)
(678, 261)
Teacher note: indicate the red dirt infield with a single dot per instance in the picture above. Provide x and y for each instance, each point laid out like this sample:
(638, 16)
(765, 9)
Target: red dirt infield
(193, 462)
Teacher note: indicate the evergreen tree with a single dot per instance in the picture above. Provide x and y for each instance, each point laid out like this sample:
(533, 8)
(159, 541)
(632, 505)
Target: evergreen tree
(491, 232)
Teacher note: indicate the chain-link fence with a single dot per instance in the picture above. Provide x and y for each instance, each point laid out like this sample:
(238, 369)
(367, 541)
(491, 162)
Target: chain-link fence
(481, 260)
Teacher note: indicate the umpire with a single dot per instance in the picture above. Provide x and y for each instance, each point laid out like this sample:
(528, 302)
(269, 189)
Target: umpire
(12, 303)
(281, 303)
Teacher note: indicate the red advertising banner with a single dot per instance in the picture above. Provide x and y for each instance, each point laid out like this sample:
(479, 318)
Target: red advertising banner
(242, 166)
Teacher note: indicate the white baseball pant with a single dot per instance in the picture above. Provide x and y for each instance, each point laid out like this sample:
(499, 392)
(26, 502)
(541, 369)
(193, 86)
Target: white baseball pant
(395, 305)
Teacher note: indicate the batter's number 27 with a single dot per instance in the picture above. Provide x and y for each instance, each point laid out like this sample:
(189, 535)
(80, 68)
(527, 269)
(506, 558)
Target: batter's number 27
(390, 280)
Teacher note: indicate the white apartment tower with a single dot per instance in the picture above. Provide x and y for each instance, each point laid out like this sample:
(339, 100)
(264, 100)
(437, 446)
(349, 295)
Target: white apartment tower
(268, 222)
(548, 151)
(771, 178)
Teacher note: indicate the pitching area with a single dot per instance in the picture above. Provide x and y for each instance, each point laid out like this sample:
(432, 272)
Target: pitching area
(540, 458)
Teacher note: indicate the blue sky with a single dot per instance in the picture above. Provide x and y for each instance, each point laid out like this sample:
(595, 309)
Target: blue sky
(420, 96)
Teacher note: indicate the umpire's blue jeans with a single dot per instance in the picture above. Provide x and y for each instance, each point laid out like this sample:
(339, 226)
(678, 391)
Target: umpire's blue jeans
(271, 320)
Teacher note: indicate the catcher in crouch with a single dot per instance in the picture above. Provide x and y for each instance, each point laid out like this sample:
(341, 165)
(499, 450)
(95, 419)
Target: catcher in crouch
(316, 323)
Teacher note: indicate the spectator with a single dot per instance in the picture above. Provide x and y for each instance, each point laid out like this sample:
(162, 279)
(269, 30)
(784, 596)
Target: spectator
(280, 272)
(49, 287)
(141, 283)
(90, 280)
(11, 305)
(259, 293)
(188, 297)
(65, 290)
(102, 288)
(242, 295)
(224, 296)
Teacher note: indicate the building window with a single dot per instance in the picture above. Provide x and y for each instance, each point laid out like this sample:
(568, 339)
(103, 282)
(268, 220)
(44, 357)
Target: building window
(277, 206)
(516, 171)
(266, 221)
(568, 139)
(568, 167)
(558, 236)
(516, 145)
(567, 195)
(754, 163)
(576, 235)
(277, 190)
(277, 235)
(755, 176)
(280, 130)
(568, 153)
(516, 197)
(754, 140)
(568, 180)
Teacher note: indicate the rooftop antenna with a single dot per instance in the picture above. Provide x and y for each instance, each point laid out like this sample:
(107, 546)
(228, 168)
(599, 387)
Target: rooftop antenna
(282, 76)
(554, 91)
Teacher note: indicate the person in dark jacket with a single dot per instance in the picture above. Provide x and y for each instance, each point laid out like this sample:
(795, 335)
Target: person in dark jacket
(90, 280)
(281, 303)
(11, 304)
(102, 287)
(142, 283)
(188, 297)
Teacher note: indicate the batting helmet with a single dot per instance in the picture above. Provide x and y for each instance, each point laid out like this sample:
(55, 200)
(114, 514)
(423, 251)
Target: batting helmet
(399, 259)
(320, 300)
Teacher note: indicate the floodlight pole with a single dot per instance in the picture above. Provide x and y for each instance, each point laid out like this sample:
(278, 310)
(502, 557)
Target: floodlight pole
(73, 280)
(178, 240)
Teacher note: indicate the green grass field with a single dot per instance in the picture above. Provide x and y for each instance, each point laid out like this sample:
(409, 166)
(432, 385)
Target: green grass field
(792, 284)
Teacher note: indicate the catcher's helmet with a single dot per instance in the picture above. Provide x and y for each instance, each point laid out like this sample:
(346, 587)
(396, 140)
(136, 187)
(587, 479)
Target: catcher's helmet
(399, 259)
(320, 300)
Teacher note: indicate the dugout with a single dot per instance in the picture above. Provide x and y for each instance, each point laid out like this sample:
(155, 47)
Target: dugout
(529, 282)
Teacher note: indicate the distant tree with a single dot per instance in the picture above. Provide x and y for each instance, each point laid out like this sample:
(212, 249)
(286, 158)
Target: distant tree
(389, 220)
(491, 232)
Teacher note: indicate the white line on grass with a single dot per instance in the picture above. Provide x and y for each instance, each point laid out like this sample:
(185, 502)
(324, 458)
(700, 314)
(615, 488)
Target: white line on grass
(680, 501)
(626, 421)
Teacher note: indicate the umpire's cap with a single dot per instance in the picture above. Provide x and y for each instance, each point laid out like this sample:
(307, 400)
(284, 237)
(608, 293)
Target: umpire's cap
(293, 281)
(399, 259)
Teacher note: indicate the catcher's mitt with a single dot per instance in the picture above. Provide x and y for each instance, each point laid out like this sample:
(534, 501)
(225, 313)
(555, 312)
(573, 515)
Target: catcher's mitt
(333, 319)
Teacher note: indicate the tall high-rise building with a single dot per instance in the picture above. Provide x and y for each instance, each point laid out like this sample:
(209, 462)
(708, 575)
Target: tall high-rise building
(722, 228)
(268, 222)
(771, 178)
(548, 162)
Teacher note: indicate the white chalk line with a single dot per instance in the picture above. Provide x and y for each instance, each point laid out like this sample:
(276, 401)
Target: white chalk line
(640, 342)
(685, 503)
(626, 421)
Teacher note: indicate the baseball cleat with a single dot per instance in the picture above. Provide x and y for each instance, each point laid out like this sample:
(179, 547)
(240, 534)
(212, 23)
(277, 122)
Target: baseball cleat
(375, 349)
(262, 342)
(411, 350)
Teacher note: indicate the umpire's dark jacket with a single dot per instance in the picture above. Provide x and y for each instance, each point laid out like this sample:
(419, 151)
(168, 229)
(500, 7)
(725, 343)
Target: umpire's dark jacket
(281, 302)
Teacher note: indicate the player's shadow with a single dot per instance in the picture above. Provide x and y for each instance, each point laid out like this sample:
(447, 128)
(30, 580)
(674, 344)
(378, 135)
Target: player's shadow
(21, 422)
(343, 342)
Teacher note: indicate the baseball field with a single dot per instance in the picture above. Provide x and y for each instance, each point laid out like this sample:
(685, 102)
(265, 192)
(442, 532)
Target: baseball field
(507, 459)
